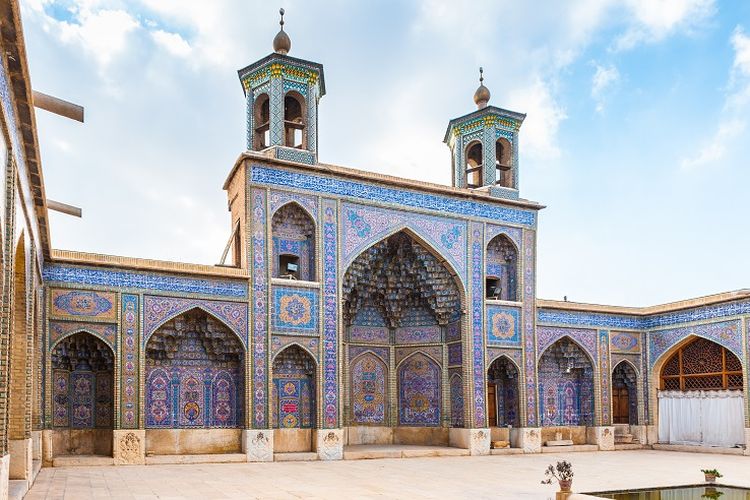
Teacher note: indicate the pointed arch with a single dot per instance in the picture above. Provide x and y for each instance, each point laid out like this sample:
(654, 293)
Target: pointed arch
(261, 121)
(423, 239)
(503, 392)
(625, 392)
(566, 374)
(457, 406)
(83, 329)
(293, 395)
(188, 351)
(590, 356)
(293, 237)
(699, 363)
(177, 307)
(19, 389)
(295, 120)
(419, 388)
(301, 346)
(369, 389)
(502, 267)
(504, 355)
(628, 362)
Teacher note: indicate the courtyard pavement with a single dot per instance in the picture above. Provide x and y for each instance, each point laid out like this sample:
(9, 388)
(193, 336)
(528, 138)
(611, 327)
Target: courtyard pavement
(515, 476)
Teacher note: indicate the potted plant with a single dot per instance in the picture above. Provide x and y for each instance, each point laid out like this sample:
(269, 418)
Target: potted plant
(563, 472)
(711, 475)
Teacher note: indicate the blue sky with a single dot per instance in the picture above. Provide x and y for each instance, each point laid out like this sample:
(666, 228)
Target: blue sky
(636, 138)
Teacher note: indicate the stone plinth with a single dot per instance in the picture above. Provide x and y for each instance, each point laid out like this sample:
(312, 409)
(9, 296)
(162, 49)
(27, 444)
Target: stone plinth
(477, 441)
(20, 458)
(603, 436)
(257, 444)
(47, 449)
(330, 444)
(129, 447)
(529, 439)
(559, 442)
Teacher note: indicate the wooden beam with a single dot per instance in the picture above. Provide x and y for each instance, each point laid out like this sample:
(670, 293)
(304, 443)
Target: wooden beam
(64, 208)
(58, 106)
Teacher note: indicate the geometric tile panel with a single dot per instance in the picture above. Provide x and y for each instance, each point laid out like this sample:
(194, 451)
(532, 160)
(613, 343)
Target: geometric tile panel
(295, 310)
(725, 333)
(629, 342)
(503, 325)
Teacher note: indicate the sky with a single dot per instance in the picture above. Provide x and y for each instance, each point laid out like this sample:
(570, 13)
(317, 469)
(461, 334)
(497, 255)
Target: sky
(636, 138)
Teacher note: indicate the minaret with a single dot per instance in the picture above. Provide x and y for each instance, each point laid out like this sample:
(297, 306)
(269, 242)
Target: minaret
(282, 94)
(484, 146)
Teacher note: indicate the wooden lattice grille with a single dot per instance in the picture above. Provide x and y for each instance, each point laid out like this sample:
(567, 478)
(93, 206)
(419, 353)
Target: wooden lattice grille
(701, 365)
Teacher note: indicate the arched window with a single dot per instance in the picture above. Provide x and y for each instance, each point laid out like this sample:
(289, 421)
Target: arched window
(294, 121)
(502, 269)
(293, 233)
(503, 163)
(474, 162)
(261, 117)
(701, 365)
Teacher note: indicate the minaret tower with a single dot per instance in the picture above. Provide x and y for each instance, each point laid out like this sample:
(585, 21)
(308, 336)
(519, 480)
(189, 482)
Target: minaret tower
(282, 94)
(484, 147)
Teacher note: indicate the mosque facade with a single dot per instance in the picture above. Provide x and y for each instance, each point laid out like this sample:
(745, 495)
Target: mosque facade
(356, 309)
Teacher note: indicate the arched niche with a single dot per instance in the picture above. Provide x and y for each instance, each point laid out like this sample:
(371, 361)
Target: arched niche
(419, 391)
(194, 374)
(503, 393)
(294, 120)
(293, 239)
(262, 121)
(624, 394)
(293, 399)
(501, 269)
(82, 396)
(474, 168)
(566, 385)
(369, 390)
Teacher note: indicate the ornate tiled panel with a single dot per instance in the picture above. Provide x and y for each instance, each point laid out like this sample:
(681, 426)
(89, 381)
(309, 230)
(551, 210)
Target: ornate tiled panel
(586, 338)
(58, 330)
(295, 310)
(57, 273)
(628, 342)
(726, 333)
(503, 325)
(382, 194)
(79, 304)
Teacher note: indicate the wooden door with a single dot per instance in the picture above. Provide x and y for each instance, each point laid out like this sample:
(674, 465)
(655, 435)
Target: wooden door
(492, 404)
(620, 405)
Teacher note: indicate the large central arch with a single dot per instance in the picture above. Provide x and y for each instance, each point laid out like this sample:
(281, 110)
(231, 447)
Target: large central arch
(402, 313)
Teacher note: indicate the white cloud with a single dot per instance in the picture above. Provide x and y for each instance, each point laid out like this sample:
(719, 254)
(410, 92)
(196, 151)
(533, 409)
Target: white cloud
(172, 43)
(544, 116)
(655, 20)
(604, 77)
(735, 110)
(717, 146)
(102, 33)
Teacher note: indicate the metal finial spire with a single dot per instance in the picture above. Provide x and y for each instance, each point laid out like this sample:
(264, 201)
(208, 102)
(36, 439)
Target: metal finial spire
(281, 43)
(481, 74)
(281, 22)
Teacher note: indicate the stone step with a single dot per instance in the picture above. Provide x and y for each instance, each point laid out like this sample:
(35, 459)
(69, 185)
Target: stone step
(506, 451)
(301, 456)
(365, 452)
(207, 458)
(565, 449)
(623, 438)
(630, 446)
(81, 461)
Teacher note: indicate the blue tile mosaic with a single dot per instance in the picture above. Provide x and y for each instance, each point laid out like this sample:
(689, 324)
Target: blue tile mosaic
(443, 204)
(295, 310)
(145, 281)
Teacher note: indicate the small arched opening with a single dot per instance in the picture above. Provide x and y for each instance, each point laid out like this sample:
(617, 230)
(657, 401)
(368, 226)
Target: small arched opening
(294, 121)
(419, 391)
(474, 164)
(293, 234)
(501, 272)
(82, 396)
(624, 394)
(261, 118)
(502, 393)
(369, 391)
(293, 400)
(503, 161)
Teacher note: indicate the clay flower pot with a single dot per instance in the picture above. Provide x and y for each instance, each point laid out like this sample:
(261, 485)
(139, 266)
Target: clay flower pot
(565, 484)
(710, 478)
